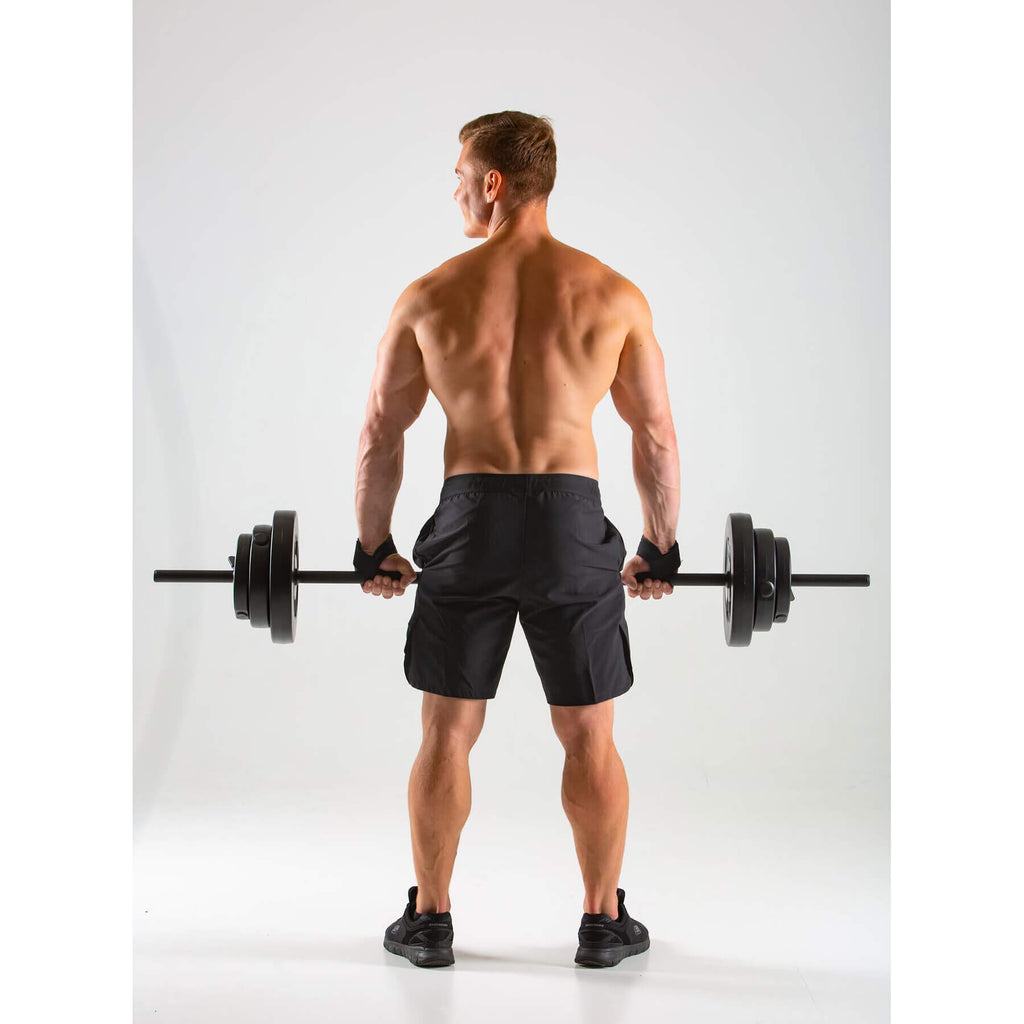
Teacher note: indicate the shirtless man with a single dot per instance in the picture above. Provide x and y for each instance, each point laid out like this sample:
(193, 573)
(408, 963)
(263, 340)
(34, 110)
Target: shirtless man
(518, 339)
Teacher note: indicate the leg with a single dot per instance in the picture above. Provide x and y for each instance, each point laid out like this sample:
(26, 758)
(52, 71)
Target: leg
(595, 795)
(439, 793)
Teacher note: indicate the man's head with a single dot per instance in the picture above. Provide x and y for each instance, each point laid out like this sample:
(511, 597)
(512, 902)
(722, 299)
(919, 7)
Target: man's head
(507, 161)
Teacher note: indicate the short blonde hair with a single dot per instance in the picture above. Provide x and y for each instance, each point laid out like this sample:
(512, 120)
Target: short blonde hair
(520, 146)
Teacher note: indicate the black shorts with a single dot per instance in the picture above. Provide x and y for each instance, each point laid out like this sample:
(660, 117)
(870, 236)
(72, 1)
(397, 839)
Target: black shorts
(534, 544)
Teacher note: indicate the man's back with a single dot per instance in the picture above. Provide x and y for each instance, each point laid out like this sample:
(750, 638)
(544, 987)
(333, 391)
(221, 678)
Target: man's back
(520, 341)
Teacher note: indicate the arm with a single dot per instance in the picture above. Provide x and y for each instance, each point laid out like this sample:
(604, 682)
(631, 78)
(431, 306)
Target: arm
(640, 394)
(398, 393)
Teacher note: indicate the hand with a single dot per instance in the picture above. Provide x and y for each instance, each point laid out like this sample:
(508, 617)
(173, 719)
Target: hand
(649, 588)
(385, 586)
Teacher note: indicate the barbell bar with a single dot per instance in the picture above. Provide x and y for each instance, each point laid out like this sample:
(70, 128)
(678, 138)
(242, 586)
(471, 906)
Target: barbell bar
(756, 584)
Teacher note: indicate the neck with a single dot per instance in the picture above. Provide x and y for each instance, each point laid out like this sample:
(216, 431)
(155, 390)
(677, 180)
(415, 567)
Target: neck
(524, 222)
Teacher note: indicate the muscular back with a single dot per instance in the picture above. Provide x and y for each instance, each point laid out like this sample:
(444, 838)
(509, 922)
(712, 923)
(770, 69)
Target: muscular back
(520, 342)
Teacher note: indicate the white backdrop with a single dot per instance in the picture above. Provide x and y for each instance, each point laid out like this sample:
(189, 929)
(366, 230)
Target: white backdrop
(293, 172)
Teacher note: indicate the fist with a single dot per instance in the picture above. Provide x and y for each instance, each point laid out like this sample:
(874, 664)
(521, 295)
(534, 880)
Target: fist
(385, 586)
(649, 588)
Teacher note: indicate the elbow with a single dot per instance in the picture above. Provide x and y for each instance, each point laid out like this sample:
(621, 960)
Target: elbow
(657, 435)
(379, 434)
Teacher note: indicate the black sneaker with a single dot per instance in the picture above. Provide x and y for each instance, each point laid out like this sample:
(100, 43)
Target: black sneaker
(423, 939)
(604, 942)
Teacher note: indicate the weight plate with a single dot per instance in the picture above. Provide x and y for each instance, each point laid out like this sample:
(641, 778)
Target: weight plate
(783, 579)
(284, 580)
(240, 584)
(764, 587)
(738, 594)
(259, 577)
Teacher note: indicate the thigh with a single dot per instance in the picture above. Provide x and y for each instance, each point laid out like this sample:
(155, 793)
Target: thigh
(581, 649)
(466, 601)
(573, 604)
(456, 647)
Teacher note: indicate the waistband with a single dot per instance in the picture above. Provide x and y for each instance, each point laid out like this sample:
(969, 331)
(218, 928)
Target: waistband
(521, 483)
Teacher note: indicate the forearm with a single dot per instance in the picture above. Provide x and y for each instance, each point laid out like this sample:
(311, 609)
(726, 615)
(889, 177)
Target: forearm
(656, 472)
(378, 478)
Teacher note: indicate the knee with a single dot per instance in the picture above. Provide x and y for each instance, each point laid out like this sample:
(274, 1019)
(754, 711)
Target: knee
(450, 725)
(582, 730)
(449, 735)
(449, 741)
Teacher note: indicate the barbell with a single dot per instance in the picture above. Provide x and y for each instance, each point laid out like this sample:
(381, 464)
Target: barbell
(757, 584)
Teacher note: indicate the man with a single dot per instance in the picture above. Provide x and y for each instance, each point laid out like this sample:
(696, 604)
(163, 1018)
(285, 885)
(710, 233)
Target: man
(518, 339)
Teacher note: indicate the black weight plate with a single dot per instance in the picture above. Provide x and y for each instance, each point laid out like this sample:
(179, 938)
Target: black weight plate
(764, 586)
(738, 593)
(783, 579)
(284, 583)
(240, 585)
(259, 577)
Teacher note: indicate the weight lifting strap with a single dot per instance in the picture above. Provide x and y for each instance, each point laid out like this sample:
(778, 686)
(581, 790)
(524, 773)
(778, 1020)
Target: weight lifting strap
(369, 565)
(663, 566)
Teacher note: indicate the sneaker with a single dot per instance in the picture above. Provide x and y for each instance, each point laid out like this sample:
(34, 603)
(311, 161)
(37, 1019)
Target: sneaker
(604, 942)
(423, 939)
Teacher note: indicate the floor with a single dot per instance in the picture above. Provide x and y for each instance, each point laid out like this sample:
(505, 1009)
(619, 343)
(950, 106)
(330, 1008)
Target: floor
(769, 906)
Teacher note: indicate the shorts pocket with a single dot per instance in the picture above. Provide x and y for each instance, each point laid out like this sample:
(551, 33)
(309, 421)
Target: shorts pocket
(624, 633)
(408, 642)
(622, 544)
(425, 532)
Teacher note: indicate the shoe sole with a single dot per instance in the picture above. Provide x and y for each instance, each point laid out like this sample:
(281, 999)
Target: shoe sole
(420, 956)
(609, 957)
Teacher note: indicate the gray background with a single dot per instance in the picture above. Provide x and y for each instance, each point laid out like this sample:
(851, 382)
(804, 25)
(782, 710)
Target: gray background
(293, 172)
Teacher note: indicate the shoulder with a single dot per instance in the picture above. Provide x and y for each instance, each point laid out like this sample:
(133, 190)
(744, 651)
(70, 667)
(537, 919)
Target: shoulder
(412, 303)
(617, 287)
(426, 293)
(450, 269)
(629, 301)
(613, 288)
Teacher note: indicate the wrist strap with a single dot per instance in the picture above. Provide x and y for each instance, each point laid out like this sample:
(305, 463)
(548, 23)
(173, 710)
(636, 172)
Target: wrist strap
(369, 565)
(662, 565)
